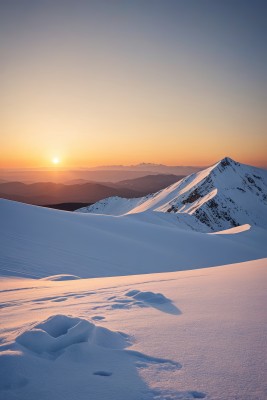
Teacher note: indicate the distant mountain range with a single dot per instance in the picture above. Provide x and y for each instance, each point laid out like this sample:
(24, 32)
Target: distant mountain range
(114, 174)
(49, 193)
(152, 168)
(225, 195)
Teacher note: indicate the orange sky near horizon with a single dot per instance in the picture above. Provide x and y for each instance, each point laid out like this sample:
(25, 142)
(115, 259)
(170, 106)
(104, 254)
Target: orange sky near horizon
(175, 140)
(66, 163)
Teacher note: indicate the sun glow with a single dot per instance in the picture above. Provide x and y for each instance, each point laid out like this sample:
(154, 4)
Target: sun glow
(55, 160)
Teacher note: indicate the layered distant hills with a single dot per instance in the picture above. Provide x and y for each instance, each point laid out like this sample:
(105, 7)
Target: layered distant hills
(71, 189)
(113, 173)
(82, 192)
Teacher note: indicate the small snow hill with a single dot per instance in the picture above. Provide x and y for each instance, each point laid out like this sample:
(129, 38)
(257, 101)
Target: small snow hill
(225, 195)
(39, 242)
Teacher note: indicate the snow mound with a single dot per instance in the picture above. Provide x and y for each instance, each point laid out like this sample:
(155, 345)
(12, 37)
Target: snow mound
(61, 277)
(60, 331)
(148, 297)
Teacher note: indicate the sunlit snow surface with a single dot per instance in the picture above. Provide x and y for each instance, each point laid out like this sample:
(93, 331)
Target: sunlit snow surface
(180, 335)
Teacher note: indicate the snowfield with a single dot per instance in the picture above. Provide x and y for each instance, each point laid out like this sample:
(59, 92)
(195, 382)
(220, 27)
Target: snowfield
(176, 309)
(180, 335)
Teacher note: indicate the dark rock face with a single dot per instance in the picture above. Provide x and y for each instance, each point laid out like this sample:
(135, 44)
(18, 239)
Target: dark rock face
(172, 209)
(194, 196)
(225, 162)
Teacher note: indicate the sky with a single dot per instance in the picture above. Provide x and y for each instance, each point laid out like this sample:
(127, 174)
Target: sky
(178, 82)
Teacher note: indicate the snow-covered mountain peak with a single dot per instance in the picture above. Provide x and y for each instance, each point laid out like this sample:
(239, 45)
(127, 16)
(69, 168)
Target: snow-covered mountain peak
(224, 165)
(227, 161)
(225, 195)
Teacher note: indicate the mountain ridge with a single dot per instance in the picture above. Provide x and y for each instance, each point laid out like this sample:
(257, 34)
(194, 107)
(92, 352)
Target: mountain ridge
(223, 196)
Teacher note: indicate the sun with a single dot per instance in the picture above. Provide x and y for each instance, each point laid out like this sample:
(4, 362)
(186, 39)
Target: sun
(55, 160)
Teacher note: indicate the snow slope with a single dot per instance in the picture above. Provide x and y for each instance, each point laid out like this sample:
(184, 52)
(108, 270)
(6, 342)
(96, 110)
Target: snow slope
(39, 242)
(114, 205)
(172, 336)
(226, 195)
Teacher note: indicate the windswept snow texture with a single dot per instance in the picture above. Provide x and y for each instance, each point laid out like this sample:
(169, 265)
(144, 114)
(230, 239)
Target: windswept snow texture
(223, 196)
(38, 242)
(215, 348)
